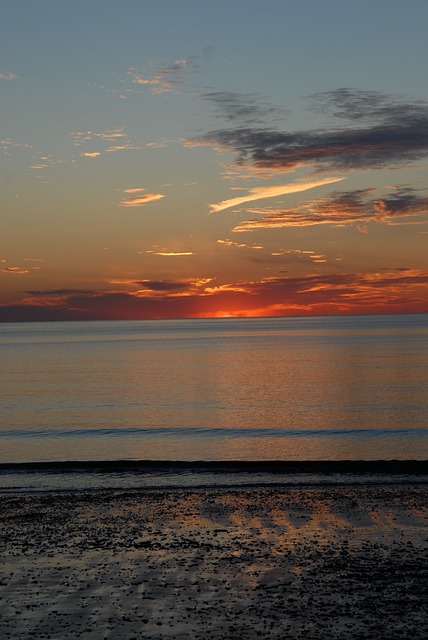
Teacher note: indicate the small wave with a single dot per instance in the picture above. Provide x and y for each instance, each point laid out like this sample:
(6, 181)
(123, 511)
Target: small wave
(209, 432)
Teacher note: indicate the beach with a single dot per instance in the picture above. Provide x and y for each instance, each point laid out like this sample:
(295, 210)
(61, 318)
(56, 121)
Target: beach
(314, 562)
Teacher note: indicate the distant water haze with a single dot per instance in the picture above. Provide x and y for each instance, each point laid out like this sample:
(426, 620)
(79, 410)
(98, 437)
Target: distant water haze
(326, 388)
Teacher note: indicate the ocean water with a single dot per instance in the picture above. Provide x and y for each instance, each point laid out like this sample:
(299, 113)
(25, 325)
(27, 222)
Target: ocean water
(330, 388)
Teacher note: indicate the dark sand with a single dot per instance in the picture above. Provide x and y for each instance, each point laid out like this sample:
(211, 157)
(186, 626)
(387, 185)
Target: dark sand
(332, 562)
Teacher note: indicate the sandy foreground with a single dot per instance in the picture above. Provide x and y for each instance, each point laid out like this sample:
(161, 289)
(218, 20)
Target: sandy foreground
(298, 562)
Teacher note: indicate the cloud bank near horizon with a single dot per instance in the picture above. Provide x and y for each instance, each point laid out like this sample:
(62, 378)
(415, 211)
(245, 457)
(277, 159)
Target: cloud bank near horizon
(385, 291)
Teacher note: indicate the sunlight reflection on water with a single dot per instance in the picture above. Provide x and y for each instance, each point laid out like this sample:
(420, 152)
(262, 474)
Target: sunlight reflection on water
(290, 388)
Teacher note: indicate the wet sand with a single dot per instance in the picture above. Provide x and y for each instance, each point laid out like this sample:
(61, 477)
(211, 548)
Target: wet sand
(329, 562)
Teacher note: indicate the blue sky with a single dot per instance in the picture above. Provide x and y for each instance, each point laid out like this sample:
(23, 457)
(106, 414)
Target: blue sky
(189, 158)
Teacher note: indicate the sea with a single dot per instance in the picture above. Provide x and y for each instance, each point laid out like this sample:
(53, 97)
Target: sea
(340, 388)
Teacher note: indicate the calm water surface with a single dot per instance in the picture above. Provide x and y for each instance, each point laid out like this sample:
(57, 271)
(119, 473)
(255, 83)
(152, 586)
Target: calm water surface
(260, 388)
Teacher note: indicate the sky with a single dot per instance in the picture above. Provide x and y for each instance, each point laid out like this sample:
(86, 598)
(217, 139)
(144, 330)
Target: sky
(200, 158)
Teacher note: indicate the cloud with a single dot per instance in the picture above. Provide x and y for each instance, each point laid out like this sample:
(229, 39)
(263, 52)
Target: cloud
(169, 254)
(402, 202)
(344, 208)
(6, 75)
(348, 103)
(383, 131)
(385, 291)
(81, 137)
(161, 144)
(389, 290)
(241, 107)
(165, 285)
(302, 254)
(103, 140)
(55, 293)
(121, 147)
(139, 201)
(164, 78)
(259, 193)
(7, 145)
(17, 270)
(154, 288)
(239, 245)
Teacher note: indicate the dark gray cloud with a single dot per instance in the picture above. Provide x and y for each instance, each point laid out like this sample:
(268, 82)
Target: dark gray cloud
(403, 202)
(165, 285)
(385, 132)
(246, 108)
(359, 104)
(57, 292)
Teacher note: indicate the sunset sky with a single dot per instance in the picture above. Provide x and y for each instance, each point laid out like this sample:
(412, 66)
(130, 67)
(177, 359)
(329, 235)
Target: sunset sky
(195, 158)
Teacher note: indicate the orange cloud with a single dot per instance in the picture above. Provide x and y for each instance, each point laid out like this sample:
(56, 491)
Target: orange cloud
(341, 208)
(171, 253)
(260, 193)
(18, 270)
(163, 79)
(239, 245)
(138, 201)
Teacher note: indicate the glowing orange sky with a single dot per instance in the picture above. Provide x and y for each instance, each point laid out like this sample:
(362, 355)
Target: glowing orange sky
(224, 163)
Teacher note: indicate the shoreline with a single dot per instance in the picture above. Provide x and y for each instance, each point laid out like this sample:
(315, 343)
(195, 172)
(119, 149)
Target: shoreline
(413, 467)
(69, 476)
(312, 562)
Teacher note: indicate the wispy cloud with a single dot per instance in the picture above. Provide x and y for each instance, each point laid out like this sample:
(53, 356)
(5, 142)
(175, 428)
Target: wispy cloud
(81, 137)
(245, 108)
(339, 208)
(17, 270)
(162, 288)
(6, 75)
(7, 145)
(165, 78)
(260, 193)
(160, 144)
(108, 141)
(302, 254)
(390, 132)
(169, 254)
(240, 245)
(139, 200)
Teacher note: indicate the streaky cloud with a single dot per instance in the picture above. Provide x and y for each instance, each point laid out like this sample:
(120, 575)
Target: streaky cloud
(170, 254)
(260, 193)
(139, 201)
(341, 208)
